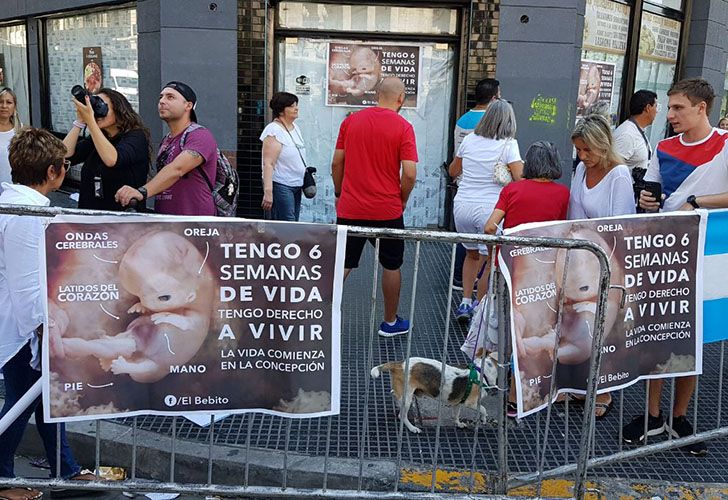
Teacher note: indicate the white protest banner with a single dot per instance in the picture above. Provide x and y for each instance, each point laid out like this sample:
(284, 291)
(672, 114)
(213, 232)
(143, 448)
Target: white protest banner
(177, 315)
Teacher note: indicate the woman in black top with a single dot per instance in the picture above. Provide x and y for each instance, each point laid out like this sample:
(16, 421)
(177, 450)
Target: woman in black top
(116, 153)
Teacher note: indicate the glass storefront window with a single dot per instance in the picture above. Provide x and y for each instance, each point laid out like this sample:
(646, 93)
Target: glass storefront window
(303, 69)
(98, 49)
(370, 18)
(14, 66)
(606, 28)
(658, 51)
(672, 4)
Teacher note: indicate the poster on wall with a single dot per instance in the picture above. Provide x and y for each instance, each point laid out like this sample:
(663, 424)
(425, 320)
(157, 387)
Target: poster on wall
(204, 315)
(606, 26)
(2, 70)
(354, 70)
(92, 69)
(596, 85)
(659, 38)
(656, 268)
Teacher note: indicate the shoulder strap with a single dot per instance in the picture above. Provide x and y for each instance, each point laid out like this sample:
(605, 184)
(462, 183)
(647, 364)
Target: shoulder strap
(191, 128)
(503, 151)
(647, 142)
(294, 143)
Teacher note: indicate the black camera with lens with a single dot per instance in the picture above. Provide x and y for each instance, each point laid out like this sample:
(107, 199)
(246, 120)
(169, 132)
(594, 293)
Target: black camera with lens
(97, 104)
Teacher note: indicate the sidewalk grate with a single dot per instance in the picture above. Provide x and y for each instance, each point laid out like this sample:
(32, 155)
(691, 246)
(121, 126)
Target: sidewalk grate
(456, 445)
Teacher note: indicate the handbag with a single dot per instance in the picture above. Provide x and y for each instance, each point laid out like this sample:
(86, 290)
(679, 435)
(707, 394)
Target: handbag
(309, 177)
(309, 182)
(501, 173)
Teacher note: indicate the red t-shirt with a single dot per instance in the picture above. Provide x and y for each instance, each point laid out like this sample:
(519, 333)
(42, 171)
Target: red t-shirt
(532, 201)
(375, 140)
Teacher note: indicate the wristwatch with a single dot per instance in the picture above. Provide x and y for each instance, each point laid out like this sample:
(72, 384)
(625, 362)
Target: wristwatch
(691, 199)
(143, 191)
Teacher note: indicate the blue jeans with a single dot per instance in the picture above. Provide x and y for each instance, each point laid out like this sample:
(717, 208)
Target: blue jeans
(286, 202)
(19, 377)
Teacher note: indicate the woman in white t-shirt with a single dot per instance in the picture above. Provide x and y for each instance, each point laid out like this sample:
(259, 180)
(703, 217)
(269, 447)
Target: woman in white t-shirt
(492, 141)
(601, 187)
(602, 184)
(9, 126)
(283, 159)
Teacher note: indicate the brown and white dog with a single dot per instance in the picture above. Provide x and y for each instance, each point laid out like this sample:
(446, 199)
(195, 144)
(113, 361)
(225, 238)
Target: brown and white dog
(425, 380)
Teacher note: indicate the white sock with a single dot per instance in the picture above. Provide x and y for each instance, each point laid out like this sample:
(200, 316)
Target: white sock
(467, 302)
(391, 323)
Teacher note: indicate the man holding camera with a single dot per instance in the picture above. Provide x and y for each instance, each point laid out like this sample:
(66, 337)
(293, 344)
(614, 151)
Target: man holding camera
(692, 171)
(630, 139)
(187, 154)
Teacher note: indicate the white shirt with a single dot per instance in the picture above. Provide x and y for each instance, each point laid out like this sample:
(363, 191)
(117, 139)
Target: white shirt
(479, 155)
(5, 138)
(631, 145)
(612, 196)
(21, 298)
(289, 168)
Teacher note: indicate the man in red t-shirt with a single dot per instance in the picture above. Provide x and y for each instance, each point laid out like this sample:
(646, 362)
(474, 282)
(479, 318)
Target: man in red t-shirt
(373, 146)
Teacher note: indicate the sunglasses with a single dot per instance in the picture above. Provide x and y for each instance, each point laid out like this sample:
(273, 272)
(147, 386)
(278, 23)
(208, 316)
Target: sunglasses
(66, 165)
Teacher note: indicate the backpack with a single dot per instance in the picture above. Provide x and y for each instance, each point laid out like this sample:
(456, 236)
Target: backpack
(227, 183)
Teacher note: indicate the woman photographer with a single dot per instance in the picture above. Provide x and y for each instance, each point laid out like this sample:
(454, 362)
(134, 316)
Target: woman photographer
(116, 153)
(283, 159)
(9, 126)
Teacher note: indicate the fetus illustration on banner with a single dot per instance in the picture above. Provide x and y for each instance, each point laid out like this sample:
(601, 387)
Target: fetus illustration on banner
(175, 291)
(364, 72)
(652, 321)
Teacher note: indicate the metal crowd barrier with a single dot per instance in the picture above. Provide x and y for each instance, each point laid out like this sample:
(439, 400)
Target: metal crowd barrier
(500, 479)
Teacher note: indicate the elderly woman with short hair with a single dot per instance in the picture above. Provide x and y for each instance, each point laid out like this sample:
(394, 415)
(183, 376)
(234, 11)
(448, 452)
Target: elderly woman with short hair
(283, 159)
(493, 141)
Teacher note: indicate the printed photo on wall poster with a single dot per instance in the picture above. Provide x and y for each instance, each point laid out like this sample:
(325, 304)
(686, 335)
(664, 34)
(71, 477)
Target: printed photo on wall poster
(653, 319)
(92, 69)
(596, 84)
(2, 70)
(173, 317)
(355, 69)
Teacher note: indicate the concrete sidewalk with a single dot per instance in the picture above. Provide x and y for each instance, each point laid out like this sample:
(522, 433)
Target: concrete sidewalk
(265, 469)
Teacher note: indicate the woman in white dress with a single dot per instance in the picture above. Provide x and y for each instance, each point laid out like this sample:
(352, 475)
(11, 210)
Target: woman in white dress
(492, 141)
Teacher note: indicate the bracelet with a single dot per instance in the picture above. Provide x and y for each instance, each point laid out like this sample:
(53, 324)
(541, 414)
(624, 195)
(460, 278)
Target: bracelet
(79, 124)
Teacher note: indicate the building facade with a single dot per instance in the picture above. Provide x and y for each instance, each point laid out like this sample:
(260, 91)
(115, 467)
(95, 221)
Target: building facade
(555, 59)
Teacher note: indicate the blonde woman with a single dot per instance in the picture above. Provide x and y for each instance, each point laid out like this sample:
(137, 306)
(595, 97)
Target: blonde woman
(602, 184)
(9, 126)
(600, 187)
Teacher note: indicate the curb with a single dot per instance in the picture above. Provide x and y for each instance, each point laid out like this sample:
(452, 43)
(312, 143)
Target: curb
(191, 460)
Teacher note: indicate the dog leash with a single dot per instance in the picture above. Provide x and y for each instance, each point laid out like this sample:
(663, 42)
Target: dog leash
(475, 375)
(474, 378)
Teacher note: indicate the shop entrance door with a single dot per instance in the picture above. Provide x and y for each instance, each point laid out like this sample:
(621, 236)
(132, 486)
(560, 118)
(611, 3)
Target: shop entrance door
(303, 68)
